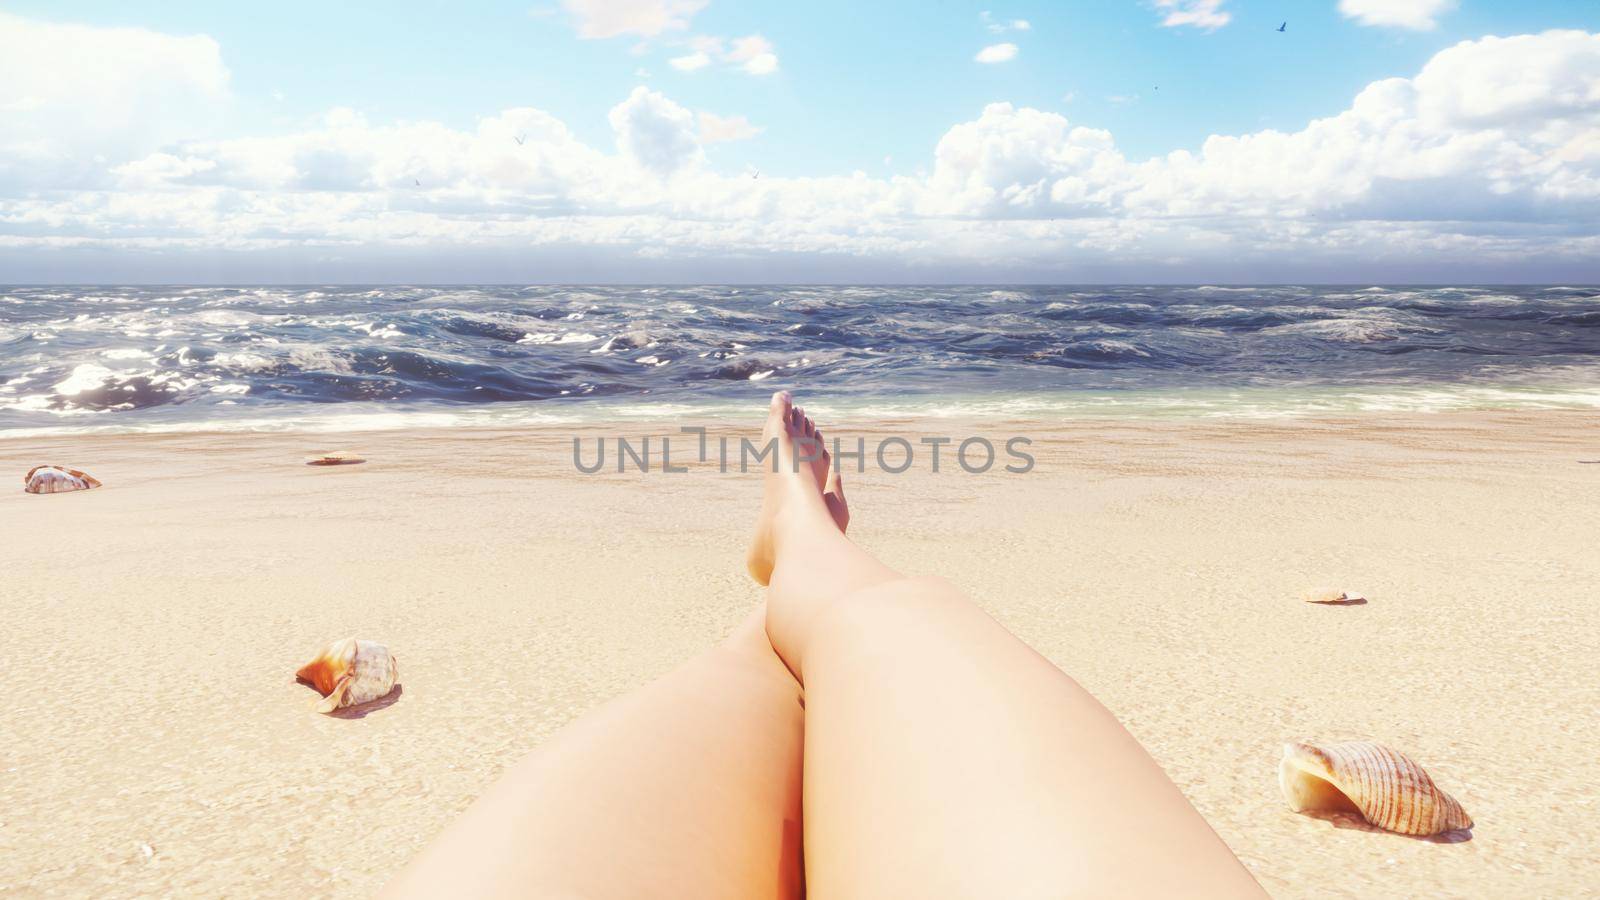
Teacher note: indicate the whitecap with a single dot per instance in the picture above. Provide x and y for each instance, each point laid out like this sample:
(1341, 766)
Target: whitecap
(86, 377)
(243, 362)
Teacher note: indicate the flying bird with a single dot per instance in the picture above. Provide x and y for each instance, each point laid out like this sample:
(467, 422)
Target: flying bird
(416, 182)
(519, 139)
(1284, 27)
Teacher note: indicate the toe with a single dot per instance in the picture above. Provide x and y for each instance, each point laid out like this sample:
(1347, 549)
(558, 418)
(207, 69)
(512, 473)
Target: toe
(778, 412)
(833, 498)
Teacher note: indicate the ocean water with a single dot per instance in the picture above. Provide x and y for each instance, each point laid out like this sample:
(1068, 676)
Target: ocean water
(180, 358)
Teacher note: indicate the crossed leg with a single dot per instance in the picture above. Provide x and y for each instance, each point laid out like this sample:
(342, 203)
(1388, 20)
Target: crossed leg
(944, 757)
(688, 787)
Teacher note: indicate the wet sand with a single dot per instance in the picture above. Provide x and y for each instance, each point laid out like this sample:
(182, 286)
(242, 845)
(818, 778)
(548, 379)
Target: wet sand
(153, 741)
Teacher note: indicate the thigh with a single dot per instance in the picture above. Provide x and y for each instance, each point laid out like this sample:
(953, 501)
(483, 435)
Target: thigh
(945, 758)
(689, 787)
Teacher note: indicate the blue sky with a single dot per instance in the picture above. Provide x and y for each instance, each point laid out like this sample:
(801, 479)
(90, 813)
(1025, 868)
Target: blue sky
(851, 88)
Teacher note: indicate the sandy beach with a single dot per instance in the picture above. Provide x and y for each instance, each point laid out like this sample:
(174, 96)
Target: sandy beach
(154, 742)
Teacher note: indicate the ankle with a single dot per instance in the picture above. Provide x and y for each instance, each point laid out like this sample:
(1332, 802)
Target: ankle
(801, 518)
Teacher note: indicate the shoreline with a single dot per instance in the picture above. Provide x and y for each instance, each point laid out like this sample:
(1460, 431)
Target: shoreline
(158, 622)
(1057, 409)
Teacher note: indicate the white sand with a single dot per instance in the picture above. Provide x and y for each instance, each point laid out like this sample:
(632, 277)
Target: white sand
(152, 628)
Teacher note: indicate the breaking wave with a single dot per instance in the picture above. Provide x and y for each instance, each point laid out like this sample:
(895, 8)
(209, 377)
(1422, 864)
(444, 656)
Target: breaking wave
(146, 357)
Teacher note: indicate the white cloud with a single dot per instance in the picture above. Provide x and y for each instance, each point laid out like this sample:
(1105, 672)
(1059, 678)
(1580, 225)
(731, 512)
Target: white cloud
(690, 62)
(643, 18)
(762, 64)
(996, 53)
(74, 96)
(343, 152)
(997, 26)
(753, 53)
(1490, 152)
(1206, 14)
(655, 133)
(1015, 161)
(1420, 15)
(716, 129)
(1499, 129)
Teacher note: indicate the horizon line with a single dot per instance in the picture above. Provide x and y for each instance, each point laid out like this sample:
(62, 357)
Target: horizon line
(786, 284)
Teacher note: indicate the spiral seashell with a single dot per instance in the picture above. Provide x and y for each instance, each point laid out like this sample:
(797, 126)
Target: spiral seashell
(57, 480)
(335, 459)
(350, 672)
(1385, 786)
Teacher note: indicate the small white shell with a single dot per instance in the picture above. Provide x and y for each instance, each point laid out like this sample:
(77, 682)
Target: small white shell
(1333, 596)
(335, 459)
(57, 480)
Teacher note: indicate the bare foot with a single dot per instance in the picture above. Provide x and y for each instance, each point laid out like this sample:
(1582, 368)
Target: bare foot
(802, 483)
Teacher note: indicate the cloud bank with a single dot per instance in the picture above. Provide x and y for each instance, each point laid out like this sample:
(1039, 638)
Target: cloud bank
(1488, 156)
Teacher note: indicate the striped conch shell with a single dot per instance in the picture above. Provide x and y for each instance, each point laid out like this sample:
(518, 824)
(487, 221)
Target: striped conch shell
(349, 673)
(1385, 786)
(57, 480)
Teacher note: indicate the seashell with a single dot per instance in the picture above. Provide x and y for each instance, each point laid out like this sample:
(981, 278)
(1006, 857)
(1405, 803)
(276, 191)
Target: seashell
(350, 672)
(1332, 596)
(335, 459)
(1385, 786)
(57, 480)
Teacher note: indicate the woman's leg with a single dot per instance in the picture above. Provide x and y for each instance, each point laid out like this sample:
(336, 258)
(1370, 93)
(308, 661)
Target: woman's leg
(943, 757)
(688, 787)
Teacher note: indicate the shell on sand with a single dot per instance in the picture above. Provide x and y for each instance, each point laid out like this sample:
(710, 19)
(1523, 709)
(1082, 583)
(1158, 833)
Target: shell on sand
(350, 672)
(335, 459)
(57, 480)
(1331, 596)
(1387, 787)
